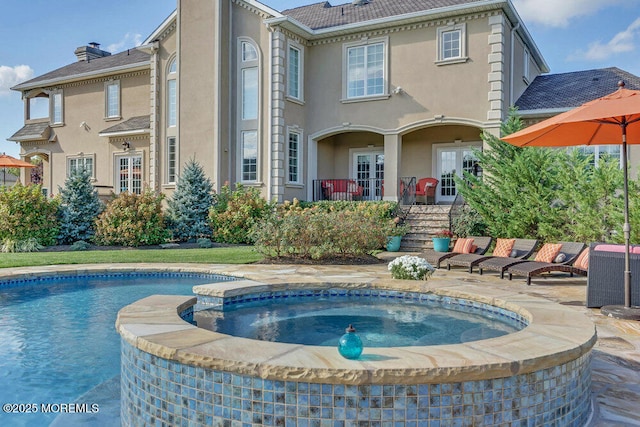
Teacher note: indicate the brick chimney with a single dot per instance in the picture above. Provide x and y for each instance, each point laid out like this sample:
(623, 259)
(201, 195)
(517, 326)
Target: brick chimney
(89, 52)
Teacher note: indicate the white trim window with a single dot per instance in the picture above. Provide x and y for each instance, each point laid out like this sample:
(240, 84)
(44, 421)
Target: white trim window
(295, 72)
(294, 156)
(249, 89)
(129, 173)
(614, 152)
(77, 163)
(365, 69)
(172, 94)
(248, 112)
(112, 99)
(249, 152)
(57, 116)
(452, 46)
(172, 159)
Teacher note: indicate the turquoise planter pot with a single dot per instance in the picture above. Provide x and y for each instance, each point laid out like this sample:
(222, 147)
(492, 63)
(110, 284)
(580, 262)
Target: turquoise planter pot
(441, 244)
(393, 243)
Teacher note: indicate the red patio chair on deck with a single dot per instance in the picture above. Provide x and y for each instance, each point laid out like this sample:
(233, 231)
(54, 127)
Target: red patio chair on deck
(426, 190)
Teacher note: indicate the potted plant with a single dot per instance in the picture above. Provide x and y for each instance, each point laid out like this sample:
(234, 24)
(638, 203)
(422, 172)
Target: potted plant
(442, 240)
(395, 232)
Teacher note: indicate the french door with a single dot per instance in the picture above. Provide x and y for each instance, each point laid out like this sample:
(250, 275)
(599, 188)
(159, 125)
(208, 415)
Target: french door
(368, 170)
(452, 161)
(129, 174)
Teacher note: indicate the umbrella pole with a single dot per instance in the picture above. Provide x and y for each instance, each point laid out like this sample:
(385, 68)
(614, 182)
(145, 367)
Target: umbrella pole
(627, 227)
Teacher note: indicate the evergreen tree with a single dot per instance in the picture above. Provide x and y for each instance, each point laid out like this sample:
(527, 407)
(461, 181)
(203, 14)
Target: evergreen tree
(79, 208)
(189, 206)
(516, 196)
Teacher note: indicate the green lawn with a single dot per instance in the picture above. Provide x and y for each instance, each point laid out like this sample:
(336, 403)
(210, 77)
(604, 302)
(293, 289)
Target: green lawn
(226, 255)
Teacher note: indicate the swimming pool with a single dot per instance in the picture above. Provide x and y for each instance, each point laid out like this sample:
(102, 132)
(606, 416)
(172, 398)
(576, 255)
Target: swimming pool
(58, 340)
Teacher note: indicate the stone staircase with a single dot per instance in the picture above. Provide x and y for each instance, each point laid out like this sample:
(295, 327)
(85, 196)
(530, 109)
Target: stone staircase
(424, 221)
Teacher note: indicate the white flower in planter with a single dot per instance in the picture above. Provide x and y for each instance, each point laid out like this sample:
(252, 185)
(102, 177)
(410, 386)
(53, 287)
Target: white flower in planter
(410, 267)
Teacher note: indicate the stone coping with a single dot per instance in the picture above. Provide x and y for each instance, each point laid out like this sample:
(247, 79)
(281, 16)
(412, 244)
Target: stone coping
(555, 335)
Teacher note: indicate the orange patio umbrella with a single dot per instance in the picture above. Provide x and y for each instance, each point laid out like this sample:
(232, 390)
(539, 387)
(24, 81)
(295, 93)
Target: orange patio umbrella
(7, 161)
(607, 120)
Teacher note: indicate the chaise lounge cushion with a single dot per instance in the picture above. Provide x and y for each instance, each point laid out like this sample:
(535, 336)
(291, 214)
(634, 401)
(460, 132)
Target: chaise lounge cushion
(582, 261)
(463, 246)
(548, 252)
(503, 247)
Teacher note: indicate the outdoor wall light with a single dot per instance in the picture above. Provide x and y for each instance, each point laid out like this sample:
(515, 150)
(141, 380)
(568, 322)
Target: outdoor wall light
(126, 145)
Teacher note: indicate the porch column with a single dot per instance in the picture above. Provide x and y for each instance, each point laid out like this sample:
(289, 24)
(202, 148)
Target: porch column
(392, 166)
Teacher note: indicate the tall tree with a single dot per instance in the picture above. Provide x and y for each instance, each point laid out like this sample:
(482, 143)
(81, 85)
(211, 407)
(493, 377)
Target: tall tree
(189, 206)
(79, 208)
(516, 195)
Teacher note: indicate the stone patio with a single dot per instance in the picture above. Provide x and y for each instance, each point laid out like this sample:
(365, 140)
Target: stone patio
(616, 363)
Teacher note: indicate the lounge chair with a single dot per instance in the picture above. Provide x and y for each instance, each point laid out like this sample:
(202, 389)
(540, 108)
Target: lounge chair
(435, 258)
(522, 249)
(571, 250)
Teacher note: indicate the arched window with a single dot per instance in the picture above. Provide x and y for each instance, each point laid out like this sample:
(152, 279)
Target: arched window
(248, 111)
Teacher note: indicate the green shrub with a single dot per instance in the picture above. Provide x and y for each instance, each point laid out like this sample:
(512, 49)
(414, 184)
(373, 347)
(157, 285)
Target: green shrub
(205, 243)
(79, 208)
(315, 233)
(190, 203)
(468, 222)
(29, 245)
(235, 212)
(27, 213)
(132, 220)
(80, 245)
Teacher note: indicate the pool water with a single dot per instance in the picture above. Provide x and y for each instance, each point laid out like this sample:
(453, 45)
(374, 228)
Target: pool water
(379, 323)
(58, 340)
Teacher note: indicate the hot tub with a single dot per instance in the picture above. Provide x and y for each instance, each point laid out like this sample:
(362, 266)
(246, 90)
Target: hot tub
(177, 373)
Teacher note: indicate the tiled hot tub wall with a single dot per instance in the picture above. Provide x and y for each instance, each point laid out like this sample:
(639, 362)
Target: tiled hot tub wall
(156, 391)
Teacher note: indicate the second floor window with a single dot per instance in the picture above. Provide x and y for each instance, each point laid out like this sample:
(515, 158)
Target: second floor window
(172, 95)
(56, 108)
(112, 95)
(365, 70)
(451, 43)
(294, 73)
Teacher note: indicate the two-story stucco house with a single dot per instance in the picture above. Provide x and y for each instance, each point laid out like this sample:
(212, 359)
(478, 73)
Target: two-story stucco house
(370, 91)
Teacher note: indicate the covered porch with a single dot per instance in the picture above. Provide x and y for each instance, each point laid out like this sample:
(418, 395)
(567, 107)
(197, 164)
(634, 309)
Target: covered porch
(378, 165)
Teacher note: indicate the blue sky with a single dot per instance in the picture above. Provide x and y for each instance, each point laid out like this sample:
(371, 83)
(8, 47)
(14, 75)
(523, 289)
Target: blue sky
(41, 35)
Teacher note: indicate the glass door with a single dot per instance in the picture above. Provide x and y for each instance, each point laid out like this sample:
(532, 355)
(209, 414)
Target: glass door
(369, 173)
(453, 161)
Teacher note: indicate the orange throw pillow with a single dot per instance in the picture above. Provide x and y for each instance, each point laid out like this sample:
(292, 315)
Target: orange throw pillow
(463, 246)
(504, 247)
(583, 260)
(548, 252)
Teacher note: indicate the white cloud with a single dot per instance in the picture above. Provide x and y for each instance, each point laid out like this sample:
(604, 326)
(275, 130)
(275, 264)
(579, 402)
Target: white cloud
(11, 76)
(623, 42)
(129, 40)
(557, 13)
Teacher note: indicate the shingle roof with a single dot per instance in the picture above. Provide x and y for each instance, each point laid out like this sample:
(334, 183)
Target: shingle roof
(129, 57)
(32, 132)
(570, 90)
(139, 123)
(324, 15)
